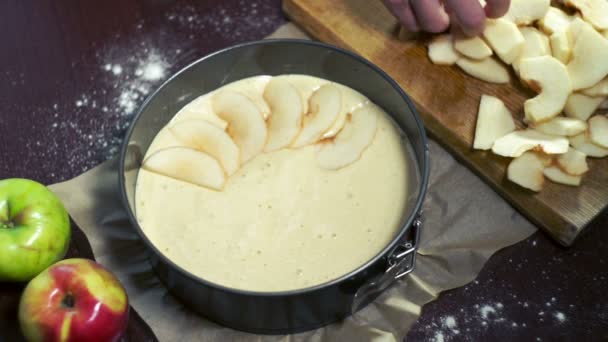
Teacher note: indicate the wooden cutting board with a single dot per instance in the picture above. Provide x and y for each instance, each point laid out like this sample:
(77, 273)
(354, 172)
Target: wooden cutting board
(447, 100)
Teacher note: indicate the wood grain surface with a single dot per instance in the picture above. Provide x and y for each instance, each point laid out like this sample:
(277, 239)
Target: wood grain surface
(447, 100)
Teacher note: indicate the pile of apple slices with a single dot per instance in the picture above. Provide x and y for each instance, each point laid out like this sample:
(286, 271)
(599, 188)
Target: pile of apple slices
(560, 52)
(200, 152)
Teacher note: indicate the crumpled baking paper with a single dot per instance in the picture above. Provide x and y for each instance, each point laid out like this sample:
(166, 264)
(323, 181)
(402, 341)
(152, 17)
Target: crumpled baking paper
(465, 223)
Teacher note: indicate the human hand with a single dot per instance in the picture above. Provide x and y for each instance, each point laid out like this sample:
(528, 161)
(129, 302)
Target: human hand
(436, 15)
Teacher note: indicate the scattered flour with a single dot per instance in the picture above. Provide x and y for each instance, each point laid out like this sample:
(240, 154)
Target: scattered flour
(560, 316)
(439, 337)
(486, 310)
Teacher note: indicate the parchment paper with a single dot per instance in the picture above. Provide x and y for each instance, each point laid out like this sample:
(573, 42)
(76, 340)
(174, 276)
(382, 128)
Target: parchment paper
(466, 222)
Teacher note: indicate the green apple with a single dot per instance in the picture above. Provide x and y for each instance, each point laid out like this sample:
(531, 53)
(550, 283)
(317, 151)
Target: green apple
(34, 229)
(74, 300)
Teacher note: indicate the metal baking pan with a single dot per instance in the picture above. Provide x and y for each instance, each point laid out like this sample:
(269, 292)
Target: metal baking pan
(303, 309)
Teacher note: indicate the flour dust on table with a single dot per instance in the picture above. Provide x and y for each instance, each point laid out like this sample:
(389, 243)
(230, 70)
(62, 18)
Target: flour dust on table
(86, 124)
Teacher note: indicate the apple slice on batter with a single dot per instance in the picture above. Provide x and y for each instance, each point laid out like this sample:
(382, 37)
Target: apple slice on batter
(206, 137)
(323, 110)
(286, 111)
(348, 146)
(188, 165)
(246, 125)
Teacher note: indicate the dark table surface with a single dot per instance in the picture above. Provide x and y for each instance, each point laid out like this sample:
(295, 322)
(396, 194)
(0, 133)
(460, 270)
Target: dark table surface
(73, 72)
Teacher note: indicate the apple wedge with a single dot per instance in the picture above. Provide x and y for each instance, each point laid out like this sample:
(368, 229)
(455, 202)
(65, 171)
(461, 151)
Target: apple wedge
(493, 121)
(489, 69)
(324, 107)
(505, 39)
(560, 46)
(246, 126)
(441, 50)
(600, 89)
(525, 12)
(517, 143)
(598, 130)
(582, 143)
(527, 171)
(581, 106)
(348, 146)
(205, 137)
(351, 101)
(554, 21)
(286, 112)
(549, 76)
(537, 44)
(594, 12)
(574, 28)
(164, 139)
(573, 162)
(188, 165)
(472, 47)
(589, 63)
(556, 175)
(562, 126)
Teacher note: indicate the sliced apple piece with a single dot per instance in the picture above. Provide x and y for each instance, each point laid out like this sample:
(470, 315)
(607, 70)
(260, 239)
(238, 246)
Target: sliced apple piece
(600, 89)
(582, 143)
(517, 143)
(574, 28)
(527, 171)
(164, 139)
(604, 105)
(505, 39)
(286, 112)
(581, 106)
(351, 101)
(525, 12)
(493, 121)
(324, 106)
(537, 44)
(554, 21)
(188, 165)
(441, 50)
(556, 175)
(549, 76)
(246, 125)
(589, 63)
(348, 146)
(562, 126)
(573, 162)
(594, 12)
(560, 46)
(206, 137)
(598, 130)
(472, 47)
(489, 69)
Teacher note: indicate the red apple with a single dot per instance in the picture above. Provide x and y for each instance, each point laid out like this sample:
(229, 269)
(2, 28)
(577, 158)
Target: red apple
(74, 300)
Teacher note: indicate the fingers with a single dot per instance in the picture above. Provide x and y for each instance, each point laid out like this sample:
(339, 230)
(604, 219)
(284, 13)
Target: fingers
(402, 10)
(430, 15)
(497, 8)
(468, 14)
